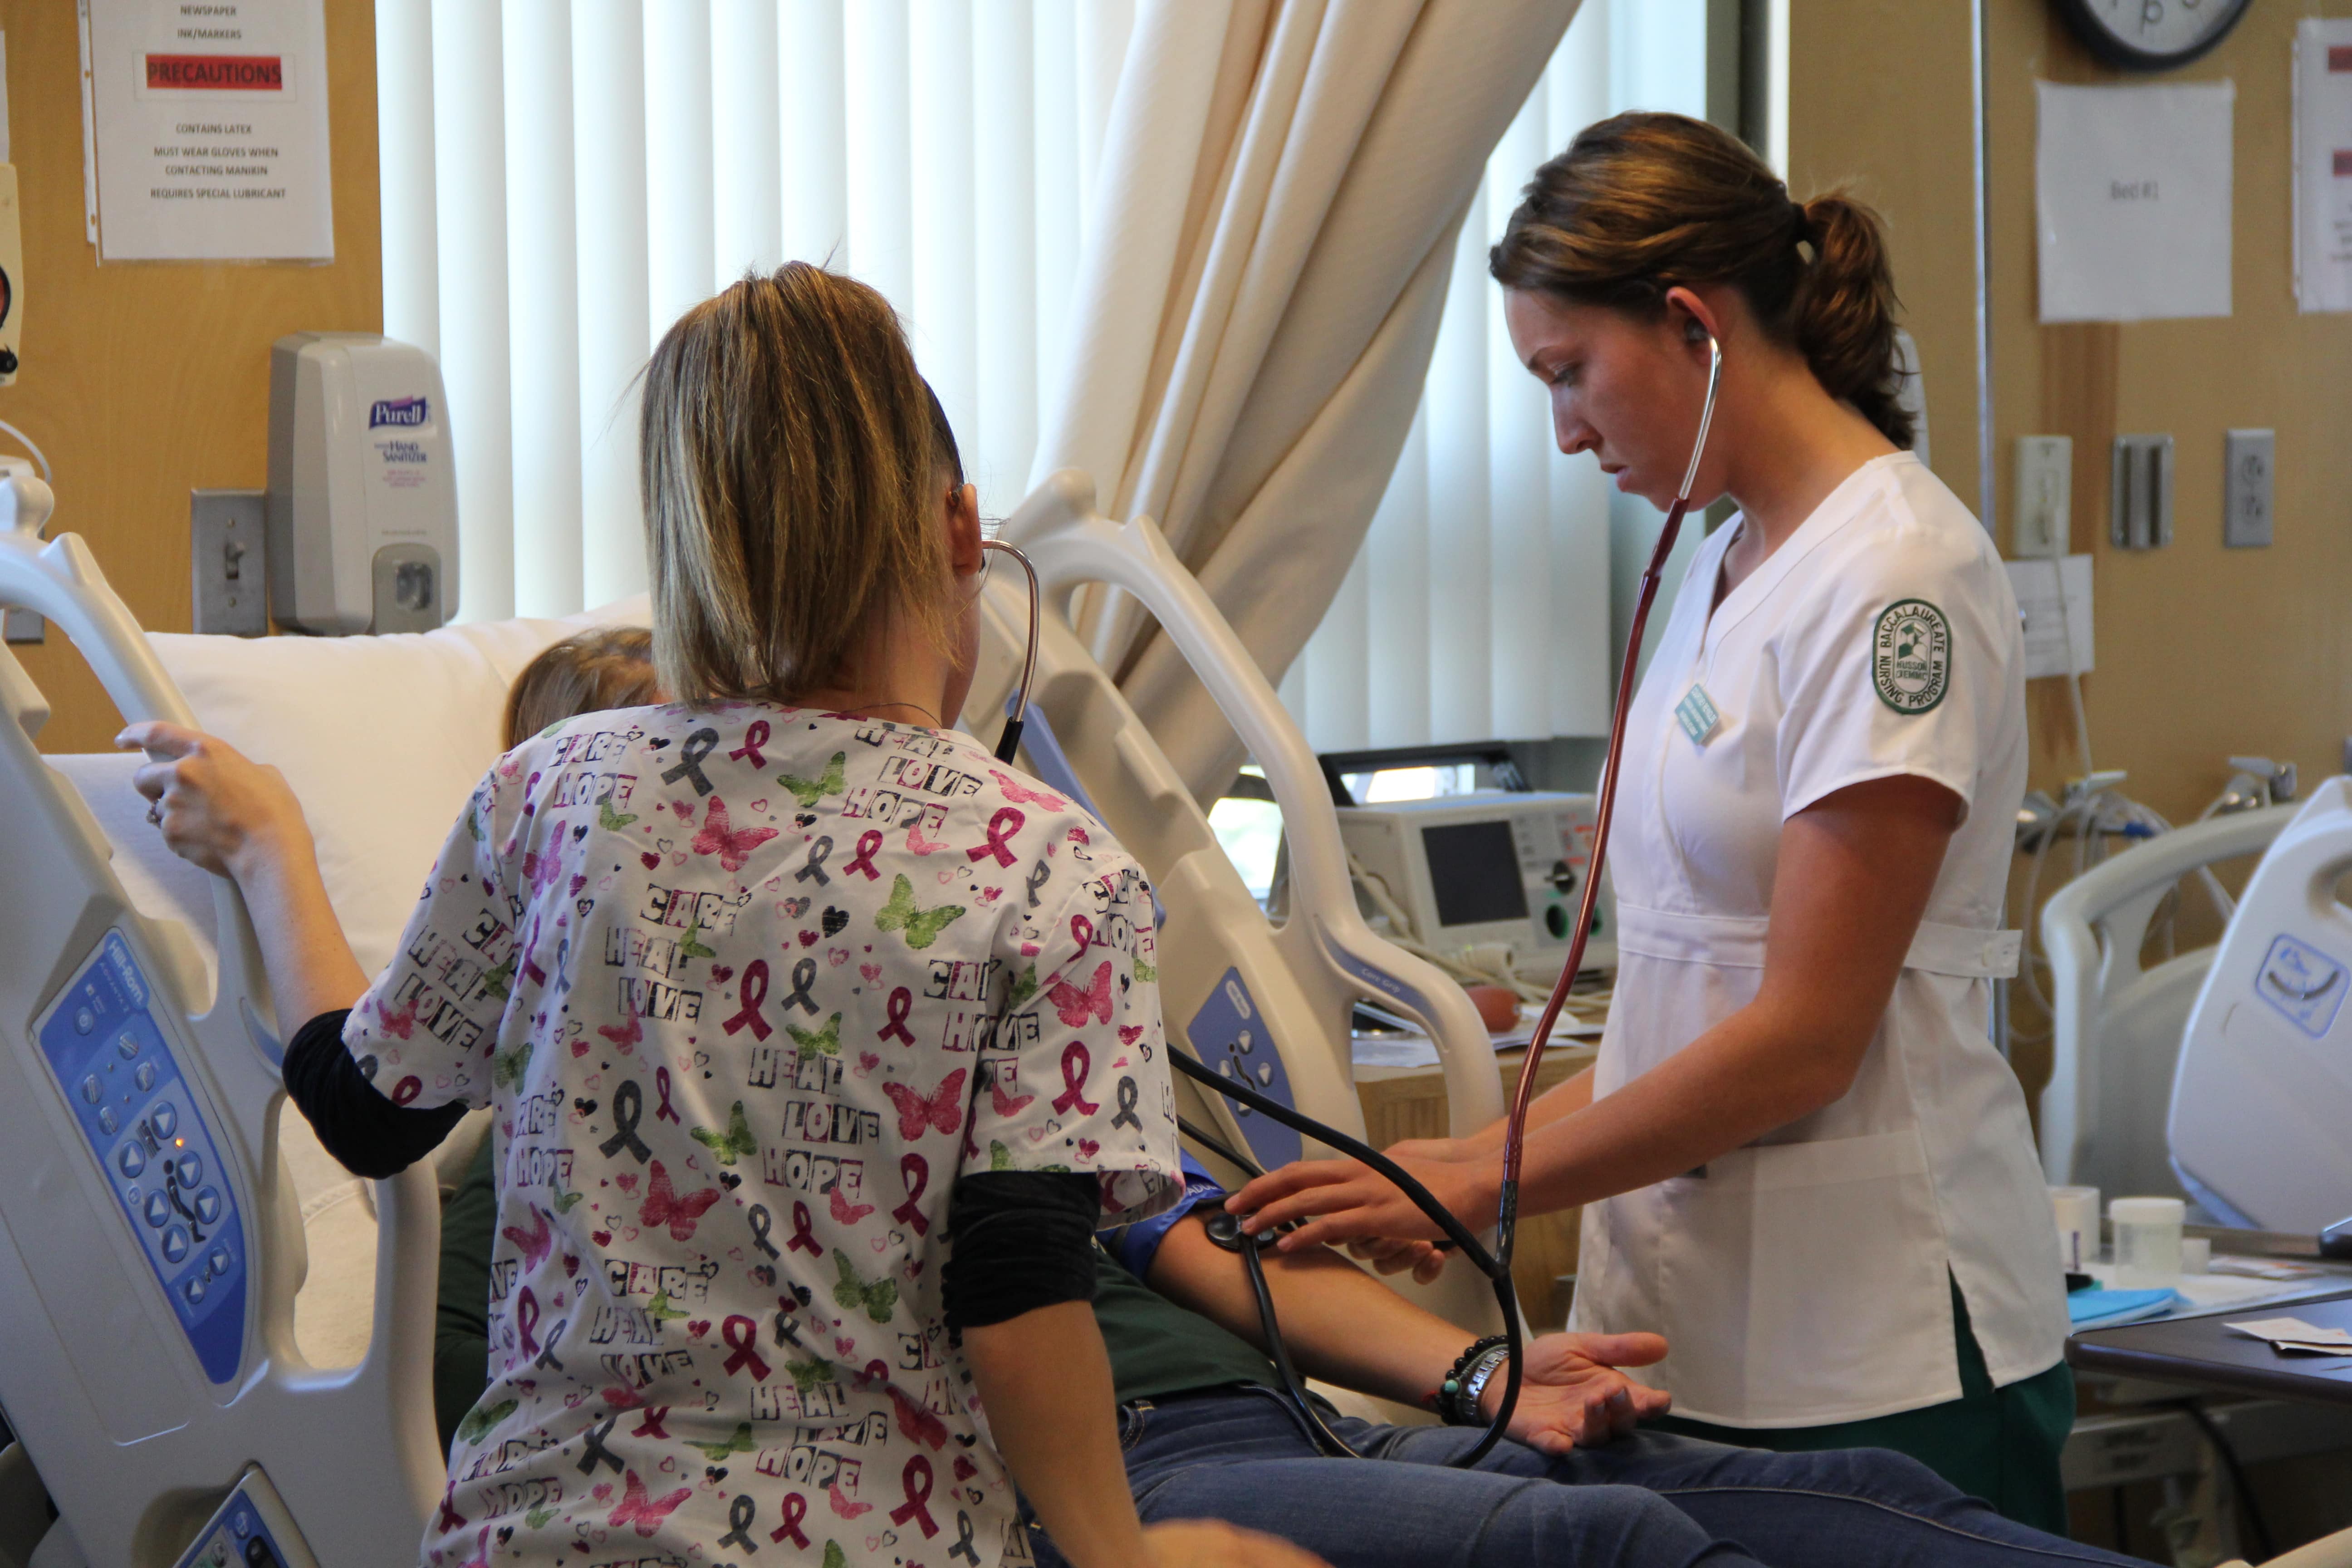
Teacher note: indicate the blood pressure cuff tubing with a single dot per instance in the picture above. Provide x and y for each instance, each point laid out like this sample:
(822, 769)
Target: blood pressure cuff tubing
(366, 1133)
(1023, 1239)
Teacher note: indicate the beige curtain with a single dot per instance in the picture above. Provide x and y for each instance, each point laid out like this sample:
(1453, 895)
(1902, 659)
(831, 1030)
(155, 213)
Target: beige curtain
(1281, 186)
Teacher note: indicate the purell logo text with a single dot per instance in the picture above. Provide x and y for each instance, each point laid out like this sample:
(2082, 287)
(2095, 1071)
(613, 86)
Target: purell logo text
(398, 411)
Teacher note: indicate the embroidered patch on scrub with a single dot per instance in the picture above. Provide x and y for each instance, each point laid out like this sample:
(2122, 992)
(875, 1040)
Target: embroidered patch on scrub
(1697, 714)
(1911, 655)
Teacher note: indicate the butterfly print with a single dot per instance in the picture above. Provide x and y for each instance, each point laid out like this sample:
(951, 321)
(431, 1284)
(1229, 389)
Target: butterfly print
(733, 845)
(1076, 1006)
(922, 926)
(942, 1107)
(664, 1206)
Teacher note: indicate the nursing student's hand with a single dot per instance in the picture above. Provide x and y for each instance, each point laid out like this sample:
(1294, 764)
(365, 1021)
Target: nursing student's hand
(214, 806)
(1393, 1254)
(1572, 1396)
(1345, 1200)
(1212, 1543)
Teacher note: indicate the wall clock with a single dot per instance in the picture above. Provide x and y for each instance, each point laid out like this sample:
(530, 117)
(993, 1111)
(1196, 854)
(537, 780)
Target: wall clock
(2150, 35)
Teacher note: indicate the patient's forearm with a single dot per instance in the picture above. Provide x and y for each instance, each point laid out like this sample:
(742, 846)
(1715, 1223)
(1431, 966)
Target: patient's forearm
(311, 966)
(1339, 1323)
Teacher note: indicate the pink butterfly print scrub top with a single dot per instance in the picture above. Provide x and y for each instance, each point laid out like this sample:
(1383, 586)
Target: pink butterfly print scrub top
(748, 988)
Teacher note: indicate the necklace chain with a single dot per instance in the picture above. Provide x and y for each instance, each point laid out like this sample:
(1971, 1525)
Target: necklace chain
(916, 706)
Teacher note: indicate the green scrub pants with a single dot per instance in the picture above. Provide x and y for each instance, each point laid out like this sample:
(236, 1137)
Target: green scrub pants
(1998, 1444)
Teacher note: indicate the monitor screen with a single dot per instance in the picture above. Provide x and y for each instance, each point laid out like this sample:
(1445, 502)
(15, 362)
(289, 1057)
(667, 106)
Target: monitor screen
(1475, 871)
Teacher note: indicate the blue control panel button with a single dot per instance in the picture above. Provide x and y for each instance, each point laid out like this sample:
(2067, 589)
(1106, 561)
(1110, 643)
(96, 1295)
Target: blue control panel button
(109, 1040)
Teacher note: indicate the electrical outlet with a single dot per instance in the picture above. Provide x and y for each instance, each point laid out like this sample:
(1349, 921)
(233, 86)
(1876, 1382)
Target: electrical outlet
(2249, 464)
(2045, 496)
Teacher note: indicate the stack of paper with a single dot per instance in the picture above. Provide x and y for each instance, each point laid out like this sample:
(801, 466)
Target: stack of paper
(2295, 1334)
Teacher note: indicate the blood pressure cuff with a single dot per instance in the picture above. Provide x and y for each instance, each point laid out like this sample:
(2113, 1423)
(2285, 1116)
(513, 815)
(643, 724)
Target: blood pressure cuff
(1134, 1246)
(366, 1133)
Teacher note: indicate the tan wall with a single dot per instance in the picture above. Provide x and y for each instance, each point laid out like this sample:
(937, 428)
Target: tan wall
(142, 382)
(2202, 652)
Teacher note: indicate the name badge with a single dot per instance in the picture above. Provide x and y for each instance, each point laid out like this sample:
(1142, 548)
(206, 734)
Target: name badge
(1697, 714)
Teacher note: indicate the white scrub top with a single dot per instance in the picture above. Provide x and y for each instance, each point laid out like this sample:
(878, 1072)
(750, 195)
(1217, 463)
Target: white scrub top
(1801, 1280)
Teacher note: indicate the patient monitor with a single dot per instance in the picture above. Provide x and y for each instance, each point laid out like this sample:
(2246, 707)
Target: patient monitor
(1493, 866)
(363, 511)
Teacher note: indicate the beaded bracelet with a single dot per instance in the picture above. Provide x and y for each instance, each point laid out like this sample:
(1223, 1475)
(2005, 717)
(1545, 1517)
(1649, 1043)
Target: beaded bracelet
(1446, 1397)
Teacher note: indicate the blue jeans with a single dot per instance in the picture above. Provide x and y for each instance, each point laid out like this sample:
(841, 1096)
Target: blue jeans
(1241, 1456)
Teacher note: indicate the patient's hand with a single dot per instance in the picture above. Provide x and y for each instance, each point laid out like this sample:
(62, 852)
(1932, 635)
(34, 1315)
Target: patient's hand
(1572, 1394)
(218, 808)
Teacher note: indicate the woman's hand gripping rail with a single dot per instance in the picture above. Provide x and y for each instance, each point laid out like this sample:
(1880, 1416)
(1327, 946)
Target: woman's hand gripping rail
(237, 818)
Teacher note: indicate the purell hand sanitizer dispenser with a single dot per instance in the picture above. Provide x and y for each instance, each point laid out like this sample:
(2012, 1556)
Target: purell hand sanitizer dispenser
(362, 501)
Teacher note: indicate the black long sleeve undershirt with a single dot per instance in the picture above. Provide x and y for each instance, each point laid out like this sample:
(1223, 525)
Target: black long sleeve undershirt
(1023, 1239)
(355, 1123)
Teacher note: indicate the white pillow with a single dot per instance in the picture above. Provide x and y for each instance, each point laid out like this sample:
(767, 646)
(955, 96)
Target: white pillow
(383, 739)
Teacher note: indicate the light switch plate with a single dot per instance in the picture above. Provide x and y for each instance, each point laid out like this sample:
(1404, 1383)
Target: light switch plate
(2045, 496)
(2139, 492)
(231, 584)
(2249, 469)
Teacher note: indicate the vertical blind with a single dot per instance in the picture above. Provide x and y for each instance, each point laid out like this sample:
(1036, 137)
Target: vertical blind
(562, 178)
(1479, 605)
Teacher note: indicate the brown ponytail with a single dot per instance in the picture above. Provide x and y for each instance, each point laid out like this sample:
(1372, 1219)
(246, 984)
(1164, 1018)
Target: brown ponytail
(1643, 203)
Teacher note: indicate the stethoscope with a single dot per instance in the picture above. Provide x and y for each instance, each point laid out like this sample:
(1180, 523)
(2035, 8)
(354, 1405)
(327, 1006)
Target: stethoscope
(1224, 1229)
(1009, 741)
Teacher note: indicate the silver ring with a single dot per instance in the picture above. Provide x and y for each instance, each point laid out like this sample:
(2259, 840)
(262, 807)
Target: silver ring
(155, 813)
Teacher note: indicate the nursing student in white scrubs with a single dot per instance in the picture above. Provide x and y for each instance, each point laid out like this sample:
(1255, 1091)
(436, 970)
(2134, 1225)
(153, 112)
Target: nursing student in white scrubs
(1801, 1158)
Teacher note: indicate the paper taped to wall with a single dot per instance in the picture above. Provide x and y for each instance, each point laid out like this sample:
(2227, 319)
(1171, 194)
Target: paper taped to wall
(2323, 164)
(2052, 624)
(210, 128)
(2131, 201)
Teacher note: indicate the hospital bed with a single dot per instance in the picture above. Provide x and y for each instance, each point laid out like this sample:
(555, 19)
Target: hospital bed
(2117, 1022)
(219, 1344)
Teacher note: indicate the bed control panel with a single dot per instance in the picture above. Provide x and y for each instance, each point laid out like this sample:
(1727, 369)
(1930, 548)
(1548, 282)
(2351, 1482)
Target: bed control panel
(123, 1080)
(251, 1529)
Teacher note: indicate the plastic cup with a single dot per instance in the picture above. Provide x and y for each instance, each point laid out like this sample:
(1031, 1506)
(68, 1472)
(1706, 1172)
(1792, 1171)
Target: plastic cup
(2077, 1210)
(2148, 1239)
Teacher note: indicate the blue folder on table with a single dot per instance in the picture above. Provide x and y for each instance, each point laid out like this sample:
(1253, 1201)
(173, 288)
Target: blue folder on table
(2105, 1309)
